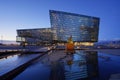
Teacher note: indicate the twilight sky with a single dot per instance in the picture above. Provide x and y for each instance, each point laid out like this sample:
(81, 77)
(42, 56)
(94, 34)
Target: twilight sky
(25, 14)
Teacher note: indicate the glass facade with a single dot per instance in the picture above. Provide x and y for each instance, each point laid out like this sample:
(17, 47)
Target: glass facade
(82, 28)
(34, 36)
(63, 25)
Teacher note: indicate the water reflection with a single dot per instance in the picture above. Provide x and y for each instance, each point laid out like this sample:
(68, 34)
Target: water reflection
(81, 65)
(9, 63)
(15, 56)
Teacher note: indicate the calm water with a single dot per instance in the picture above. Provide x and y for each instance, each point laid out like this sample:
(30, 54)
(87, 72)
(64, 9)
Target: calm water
(9, 63)
(83, 65)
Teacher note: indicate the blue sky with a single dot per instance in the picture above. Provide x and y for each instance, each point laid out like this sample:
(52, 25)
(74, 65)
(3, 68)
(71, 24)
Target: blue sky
(24, 14)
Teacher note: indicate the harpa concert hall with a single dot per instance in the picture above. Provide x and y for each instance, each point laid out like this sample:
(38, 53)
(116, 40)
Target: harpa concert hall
(83, 29)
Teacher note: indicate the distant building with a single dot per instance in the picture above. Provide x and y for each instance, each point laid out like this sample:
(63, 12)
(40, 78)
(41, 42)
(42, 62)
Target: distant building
(63, 25)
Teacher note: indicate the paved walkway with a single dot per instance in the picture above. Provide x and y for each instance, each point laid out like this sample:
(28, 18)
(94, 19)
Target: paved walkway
(43, 49)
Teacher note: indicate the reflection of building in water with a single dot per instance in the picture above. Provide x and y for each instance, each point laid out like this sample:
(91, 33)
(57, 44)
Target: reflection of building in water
(80, 66)
(92, 62)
